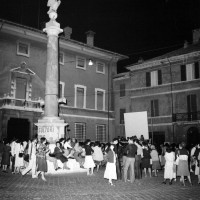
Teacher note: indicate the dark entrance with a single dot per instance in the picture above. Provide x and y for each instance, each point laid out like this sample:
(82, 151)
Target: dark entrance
(193, 136)
(157, 137)
(18, 128)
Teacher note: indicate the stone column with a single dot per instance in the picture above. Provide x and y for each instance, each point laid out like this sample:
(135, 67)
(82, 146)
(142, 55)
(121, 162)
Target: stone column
(51, 126)
(51, 84)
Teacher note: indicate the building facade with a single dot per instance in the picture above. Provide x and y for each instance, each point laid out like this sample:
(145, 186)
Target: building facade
(168, 88)
(86, 101)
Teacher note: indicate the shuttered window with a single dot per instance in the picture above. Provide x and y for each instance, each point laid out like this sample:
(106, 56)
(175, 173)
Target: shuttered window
(153, 78)
(196, 64)
(80, 131)
(80, 62)
(100, 67)
(190, 71)
(122, 111)
(101, 132)
(122, 90)
(154, 108)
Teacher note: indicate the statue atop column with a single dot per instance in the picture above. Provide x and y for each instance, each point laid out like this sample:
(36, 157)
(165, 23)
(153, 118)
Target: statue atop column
(53, 6)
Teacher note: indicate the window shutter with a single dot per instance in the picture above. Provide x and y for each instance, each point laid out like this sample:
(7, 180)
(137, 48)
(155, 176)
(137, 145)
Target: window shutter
(148, 79)
(183, 73)
(193, 103)
(188, 104)
(122, 111)
(152, 108)
(196, 70)
(156, 107)
(159, 77)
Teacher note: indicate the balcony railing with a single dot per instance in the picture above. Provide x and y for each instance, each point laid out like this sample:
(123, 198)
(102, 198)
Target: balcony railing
(9, 102)
(191, 116)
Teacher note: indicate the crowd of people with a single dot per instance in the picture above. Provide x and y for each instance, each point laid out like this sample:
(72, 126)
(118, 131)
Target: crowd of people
(126, 159)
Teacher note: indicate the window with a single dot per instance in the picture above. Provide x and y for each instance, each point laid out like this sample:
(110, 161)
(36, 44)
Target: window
(154, 108)
(61, 89)
(61, 58)
(99, 99)
(192, 107)
(100, 67)
(80, 62)
(122, 111)
(190, 71)
(21, 88)
(80, 96)
(80, 131)
(101, 132)
(153, 78)
(23, 49)
(122, 90)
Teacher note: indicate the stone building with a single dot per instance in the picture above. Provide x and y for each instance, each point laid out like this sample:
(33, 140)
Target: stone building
(168, 88)
(85, 90)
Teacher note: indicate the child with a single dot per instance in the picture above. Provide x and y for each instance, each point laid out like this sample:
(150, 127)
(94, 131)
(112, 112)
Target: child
(110, 172)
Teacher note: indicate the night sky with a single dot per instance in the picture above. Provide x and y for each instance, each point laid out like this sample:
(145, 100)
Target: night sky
(136, 28)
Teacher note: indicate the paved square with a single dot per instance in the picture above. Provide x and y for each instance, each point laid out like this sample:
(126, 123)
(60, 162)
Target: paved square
(80, 186)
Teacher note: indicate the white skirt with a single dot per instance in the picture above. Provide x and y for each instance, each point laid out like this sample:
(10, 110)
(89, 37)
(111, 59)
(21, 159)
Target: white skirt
(89, 163)
(110, 172)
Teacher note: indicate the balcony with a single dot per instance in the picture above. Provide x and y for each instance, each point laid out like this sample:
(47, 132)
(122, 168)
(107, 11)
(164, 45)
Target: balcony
(186, 117)
(20, 104)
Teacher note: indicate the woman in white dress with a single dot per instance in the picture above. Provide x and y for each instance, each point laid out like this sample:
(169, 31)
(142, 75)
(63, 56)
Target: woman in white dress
(170, 168)
(19, 160)
(110, 172)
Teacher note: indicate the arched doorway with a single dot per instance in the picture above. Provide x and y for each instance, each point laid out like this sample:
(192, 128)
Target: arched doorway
(193, 136)
(18, 128)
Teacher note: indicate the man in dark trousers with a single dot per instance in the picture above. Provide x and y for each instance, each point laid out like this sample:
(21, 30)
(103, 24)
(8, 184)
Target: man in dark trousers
(131, 150)
(118, 152)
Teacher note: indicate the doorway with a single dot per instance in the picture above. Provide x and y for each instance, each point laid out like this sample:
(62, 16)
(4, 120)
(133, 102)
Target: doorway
(18, 128)
(193, 136)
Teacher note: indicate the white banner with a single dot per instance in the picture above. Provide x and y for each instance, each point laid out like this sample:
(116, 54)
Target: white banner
(136, 123)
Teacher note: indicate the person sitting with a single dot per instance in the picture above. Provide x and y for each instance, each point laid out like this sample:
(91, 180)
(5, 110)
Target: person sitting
(67, 148)
(77, 154)
(51, 157)
(97, 155)
(58, 152)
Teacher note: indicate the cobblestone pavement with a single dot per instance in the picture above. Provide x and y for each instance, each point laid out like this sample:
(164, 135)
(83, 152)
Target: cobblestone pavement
(79, 186)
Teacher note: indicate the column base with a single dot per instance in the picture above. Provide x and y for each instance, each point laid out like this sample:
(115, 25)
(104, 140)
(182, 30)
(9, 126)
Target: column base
(52, 128)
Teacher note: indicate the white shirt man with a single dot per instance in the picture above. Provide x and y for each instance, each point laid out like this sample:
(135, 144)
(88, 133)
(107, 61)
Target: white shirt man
(32, 159)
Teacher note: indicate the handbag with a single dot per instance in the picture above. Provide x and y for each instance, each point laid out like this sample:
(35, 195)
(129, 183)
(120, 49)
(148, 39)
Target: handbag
(26, 157)
(21, 155)
(177, 160)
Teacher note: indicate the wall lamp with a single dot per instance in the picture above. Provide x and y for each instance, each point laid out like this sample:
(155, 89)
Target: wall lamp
(90, 63)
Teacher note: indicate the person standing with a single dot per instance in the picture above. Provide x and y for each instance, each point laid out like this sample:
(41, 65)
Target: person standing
(170, 168)
(110, 171)
(6, 156)
(41, 158)
(89, 163)
(146, 159)
(138, 157)
(1, 150)
(118, 152)
(197, 161)
(13, 155)
(32, 159)
(19, 160)
(155, 159)
(131, 150)
(183, 169)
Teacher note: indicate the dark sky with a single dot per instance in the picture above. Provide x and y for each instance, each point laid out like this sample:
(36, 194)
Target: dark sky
(137, 28)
